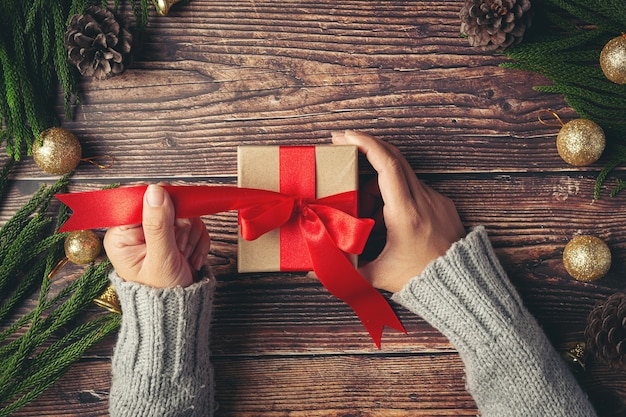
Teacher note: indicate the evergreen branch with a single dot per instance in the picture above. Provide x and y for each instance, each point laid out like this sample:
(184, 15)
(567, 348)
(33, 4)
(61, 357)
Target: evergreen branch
(39, 202)
(89, 286)
(4, 176)
(14, 114)
(602, 13)
(40, 381)
(618, 158)
(26, 286)
(18, 253)
(621, 185)
(544, 48)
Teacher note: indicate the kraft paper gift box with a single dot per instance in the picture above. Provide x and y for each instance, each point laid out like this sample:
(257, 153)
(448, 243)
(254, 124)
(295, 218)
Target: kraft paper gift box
(335, 171)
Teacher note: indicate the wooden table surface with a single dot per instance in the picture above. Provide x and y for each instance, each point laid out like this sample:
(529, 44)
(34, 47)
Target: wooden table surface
(213, 75)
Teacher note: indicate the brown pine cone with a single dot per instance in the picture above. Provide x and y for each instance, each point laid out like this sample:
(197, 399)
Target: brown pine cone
(605, 333)
(494, 25)
(97, 44)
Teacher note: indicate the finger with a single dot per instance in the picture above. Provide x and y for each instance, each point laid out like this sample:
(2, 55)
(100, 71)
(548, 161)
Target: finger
(201, 250)
(392, 181)
(122, 236)
(196, 229)
(182, 228)
(158, 224)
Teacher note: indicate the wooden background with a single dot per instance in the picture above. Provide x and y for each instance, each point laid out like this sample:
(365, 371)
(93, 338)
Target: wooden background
(216, 74)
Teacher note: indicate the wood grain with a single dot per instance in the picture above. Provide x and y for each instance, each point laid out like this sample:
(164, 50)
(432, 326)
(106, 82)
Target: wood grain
(213, 75)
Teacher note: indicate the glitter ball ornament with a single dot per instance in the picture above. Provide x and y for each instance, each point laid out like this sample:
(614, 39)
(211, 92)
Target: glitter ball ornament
(580, 142)
(613, 60)
(587, 258)
(82, 246)
(163, 6)
(58, 152)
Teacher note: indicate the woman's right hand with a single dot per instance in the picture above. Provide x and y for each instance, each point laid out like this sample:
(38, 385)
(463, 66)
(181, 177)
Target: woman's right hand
(420, 223)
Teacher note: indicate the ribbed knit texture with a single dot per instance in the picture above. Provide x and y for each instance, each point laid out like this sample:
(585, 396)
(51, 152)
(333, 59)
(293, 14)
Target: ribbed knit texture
(511, 367)
(161, 360)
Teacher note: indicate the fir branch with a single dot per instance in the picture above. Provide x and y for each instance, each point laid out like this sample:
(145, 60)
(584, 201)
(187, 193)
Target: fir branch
(4, 176)
(54, 369)
(618, 158)
(621, 185)
(38, 203)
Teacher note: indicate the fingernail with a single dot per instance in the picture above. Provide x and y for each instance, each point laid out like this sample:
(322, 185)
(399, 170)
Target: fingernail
(154, 196)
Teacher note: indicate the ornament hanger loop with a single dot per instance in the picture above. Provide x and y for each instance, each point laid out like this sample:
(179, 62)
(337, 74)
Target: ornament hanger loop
(60, 265)
(92, 160)
(553, 114)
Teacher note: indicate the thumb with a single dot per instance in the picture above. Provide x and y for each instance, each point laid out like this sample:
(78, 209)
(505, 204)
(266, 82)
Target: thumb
(158, 223)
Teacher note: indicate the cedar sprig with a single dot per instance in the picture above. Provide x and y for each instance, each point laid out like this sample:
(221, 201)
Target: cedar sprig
(564, 45)
(34, 353)
(59, 357)
(33, 62)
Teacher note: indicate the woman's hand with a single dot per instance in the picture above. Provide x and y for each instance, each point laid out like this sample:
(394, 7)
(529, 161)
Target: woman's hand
(421, 224)
(162, 251)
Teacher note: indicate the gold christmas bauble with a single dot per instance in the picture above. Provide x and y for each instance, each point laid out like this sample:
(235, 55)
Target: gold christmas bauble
(82, 246)
(580, 142)
(58, 152)
(587, 258)
(613, 60)
(163, 6)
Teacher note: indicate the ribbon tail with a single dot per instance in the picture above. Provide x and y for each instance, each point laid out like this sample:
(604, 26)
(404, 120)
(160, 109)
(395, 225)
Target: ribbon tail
(341, 279)
(374, 312)
(104, 208)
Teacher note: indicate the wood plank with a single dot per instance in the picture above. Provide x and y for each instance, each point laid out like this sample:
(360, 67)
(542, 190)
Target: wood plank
(346, 385)
(211, 77)
(300, 385)
(215, 74)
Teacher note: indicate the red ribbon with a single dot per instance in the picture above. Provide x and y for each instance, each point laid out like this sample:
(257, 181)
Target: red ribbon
(326, 228)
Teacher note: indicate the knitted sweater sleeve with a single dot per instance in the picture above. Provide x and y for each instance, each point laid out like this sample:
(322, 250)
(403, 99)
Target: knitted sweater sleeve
(161, 360)
(511, 367)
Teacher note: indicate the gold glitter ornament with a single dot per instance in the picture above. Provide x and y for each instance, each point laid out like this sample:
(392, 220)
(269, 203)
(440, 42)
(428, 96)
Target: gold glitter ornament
(580, 142)
(109, 300)
(82, 246)
(163, 6)
(58, 152)
(576, 357)
(613, 60)
(587, 258)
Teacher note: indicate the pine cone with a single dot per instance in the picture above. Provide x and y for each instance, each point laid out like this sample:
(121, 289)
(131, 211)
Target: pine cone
(494, 25)
(97, 44)
(606, 330)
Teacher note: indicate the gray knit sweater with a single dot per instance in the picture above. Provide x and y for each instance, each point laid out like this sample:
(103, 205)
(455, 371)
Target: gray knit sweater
(161, 360)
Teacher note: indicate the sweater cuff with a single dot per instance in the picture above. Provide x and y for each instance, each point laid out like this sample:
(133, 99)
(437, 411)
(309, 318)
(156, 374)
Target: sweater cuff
(163, 342)
(466, 294)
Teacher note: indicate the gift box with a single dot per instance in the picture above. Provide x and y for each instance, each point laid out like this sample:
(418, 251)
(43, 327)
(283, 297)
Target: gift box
(305, 172)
